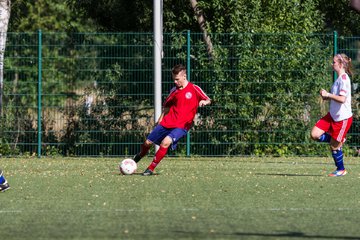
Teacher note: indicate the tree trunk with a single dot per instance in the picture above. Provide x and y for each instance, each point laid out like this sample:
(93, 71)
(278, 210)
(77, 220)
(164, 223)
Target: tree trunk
(4, 21)
(201, 20)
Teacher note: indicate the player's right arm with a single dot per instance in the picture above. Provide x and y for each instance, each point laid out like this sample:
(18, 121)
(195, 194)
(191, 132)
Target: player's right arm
(165, 111)
(327, 96)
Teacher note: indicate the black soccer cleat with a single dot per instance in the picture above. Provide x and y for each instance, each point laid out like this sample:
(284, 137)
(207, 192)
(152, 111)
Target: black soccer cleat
(148, 172)
(5, 186)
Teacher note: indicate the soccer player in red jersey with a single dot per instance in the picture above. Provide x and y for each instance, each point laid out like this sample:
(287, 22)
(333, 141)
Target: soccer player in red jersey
(176, 119)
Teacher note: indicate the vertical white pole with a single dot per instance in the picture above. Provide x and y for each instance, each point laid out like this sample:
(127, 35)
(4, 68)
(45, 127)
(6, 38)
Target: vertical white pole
(157, 57)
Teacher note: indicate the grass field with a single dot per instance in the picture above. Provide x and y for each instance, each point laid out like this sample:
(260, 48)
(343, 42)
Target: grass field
(192, 198)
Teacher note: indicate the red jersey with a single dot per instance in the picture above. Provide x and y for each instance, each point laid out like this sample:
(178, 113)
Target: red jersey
(183, 104)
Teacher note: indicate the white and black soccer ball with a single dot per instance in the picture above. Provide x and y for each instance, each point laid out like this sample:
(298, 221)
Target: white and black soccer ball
(127, 166)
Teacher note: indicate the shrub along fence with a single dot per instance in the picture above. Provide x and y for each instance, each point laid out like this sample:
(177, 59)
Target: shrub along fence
(92, 94)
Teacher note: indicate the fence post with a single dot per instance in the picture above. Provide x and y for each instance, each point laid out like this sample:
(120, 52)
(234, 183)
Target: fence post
(39, 91)
(335, 51)
(188, 77)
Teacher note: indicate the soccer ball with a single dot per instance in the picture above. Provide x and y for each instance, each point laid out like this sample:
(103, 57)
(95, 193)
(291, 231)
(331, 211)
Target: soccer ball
(127, 166)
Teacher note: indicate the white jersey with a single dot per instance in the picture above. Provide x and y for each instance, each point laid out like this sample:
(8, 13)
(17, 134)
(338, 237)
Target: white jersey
(341, 87)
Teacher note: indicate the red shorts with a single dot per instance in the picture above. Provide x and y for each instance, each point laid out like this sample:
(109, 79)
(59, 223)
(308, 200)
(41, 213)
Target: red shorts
(337, 130)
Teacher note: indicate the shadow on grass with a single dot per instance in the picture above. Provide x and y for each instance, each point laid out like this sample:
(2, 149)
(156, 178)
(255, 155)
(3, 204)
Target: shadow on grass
(136, 173)
(290, 174)
(285, 235)
(294, 235)
(139, 174)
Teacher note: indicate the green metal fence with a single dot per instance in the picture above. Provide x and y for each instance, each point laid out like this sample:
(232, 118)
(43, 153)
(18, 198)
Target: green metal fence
(92, 94)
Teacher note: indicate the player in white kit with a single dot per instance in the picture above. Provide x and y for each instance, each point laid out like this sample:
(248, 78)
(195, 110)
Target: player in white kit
(333, 127)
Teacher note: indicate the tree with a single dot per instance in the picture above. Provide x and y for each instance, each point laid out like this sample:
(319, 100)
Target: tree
(48, 15)
(263, 51)
(339, 16)
(201, 20)
(4, 22)
(243, 47)
(59, 26)
(116, 16)
(179, 15)
(268, 95)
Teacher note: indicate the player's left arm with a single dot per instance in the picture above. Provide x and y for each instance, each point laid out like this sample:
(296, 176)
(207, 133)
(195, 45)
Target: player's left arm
(204, 102)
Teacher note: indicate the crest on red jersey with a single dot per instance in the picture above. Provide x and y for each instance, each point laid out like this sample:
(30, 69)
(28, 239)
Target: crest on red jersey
(188, 95)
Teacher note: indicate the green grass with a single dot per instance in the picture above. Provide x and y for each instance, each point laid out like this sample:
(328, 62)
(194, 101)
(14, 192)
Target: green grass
(195, 198)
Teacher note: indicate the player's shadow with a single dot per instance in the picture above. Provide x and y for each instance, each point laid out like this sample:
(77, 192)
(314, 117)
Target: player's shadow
(136, 173)
(293, 235)
(140, 174)
(283, 235)
(289, 174)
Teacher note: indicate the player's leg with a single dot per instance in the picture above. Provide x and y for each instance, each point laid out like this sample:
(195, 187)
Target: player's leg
(4, 185)
(340, 130)
(174, 135)
(155, 137)
(144, 150)
(320, 135)
(160, 154)
(338, 156)
(320, 131)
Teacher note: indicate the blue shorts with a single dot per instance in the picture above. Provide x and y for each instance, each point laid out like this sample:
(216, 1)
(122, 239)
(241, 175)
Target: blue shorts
(160, 132)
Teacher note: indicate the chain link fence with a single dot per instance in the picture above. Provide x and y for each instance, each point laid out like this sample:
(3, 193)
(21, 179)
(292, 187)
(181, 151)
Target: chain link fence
(92, 94)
